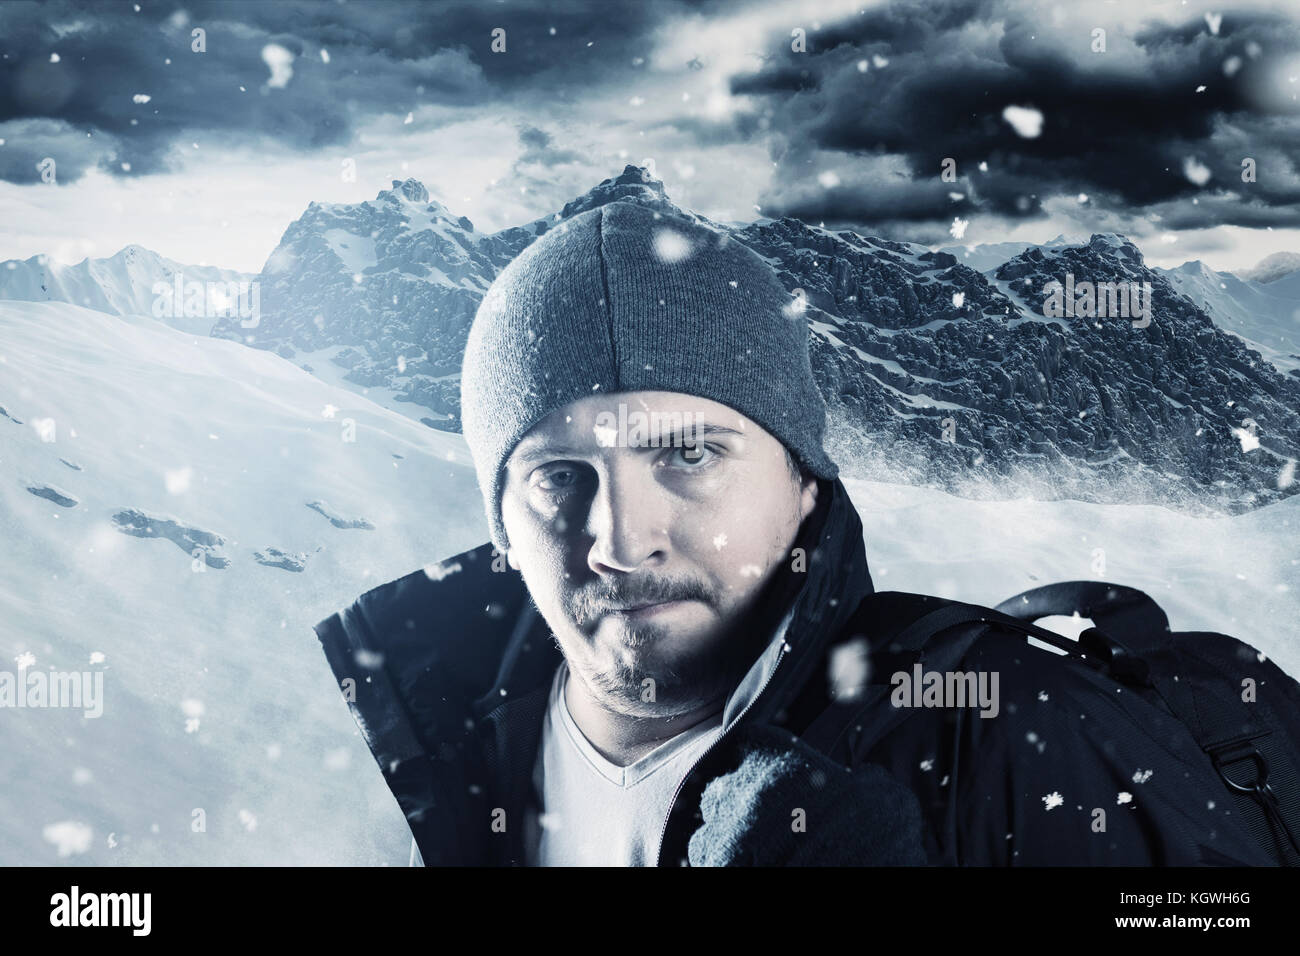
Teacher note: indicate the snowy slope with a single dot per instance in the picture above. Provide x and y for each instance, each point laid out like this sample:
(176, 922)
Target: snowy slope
(1264, 315)
(122, 284)
(241, 438)
(275, 761)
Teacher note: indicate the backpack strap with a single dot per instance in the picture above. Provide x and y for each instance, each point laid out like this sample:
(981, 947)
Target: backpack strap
(917, 641)
(1131, 634)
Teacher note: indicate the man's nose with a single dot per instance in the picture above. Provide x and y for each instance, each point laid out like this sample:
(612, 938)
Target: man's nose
(627, 520)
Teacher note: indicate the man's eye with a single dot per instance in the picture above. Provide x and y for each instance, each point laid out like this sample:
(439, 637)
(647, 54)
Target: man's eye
(557, 479)
(693, 455)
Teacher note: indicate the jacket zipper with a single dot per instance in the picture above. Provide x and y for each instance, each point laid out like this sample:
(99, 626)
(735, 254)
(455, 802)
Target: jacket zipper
(785, 646)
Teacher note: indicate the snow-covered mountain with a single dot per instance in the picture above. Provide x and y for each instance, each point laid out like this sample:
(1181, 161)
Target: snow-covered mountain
(937, 372)
(1274, 267)
(178, 511)
(122, 284)
(990, 255)
(1265, 315)
(387, 289)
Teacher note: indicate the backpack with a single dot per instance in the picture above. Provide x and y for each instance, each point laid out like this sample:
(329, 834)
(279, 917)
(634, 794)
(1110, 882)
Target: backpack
(1242, 710)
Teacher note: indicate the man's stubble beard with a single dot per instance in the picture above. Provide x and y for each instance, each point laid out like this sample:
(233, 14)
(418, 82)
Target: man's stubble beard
(688, 684)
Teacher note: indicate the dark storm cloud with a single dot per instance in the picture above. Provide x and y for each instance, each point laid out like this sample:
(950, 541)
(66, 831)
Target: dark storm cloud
(384, 57)
(1118, 126)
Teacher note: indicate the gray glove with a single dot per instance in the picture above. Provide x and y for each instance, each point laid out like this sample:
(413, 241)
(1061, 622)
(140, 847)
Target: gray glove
(786, 804)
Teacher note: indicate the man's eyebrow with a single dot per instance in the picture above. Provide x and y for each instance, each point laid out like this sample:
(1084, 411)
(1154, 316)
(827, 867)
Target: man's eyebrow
(531, 450)
(703, 430)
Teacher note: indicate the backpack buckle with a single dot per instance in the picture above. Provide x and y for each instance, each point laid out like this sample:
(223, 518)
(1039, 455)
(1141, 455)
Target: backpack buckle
(1234, 751)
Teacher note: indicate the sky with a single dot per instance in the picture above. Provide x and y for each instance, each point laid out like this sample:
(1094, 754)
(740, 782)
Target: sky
(1055, 118)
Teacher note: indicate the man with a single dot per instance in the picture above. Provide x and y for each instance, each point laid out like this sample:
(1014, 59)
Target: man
(671, 651)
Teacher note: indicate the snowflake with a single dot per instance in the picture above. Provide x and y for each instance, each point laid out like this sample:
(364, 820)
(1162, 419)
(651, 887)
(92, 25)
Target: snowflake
(1142, 776)
(1124, 797)
(1025, 120)
(25, 659)
(958, 228)
(720, 541)
(1053, 800)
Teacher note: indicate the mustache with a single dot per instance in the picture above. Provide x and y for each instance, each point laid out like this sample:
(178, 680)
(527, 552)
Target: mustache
(605, 595)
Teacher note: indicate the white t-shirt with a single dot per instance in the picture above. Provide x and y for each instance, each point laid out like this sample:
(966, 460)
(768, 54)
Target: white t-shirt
(596, 813)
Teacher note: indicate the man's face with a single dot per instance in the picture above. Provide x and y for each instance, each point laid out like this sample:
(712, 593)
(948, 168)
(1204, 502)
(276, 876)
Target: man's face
(644, 535)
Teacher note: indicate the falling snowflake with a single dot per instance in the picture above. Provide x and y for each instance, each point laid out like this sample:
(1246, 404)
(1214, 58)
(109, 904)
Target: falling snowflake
(71, 837)
(720, 541)
(1142, 776)
(958, 299)
(671, 246)
(927, 763)
(191, 725)
(958, 228)
(370, 660)
(177, 480)
(1124, 797)
(1196, 171)
(1053, 800)
(1042, 695)
(280, 62)
(436, 572)
(1025, 120)
(1248, 438)
(328, 411)
(25, 659)
(248, 820)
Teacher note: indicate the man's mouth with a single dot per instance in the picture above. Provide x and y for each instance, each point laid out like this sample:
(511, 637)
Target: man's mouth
(637, 612)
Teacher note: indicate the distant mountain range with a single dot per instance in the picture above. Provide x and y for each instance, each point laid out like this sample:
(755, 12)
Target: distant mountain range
(1274, 267)
(940, 367)
(122, 284)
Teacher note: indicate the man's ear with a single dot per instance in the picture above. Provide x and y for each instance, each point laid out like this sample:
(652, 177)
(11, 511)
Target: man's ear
(808, 496)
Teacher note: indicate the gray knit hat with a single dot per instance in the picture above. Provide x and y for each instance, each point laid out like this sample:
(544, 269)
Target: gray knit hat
(625, 298)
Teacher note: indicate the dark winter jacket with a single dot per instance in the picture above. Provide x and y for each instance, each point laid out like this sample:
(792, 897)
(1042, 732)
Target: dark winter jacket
(447, 671)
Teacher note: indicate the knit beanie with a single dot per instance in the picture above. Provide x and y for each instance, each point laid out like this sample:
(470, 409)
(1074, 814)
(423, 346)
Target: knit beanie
(625, 298)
